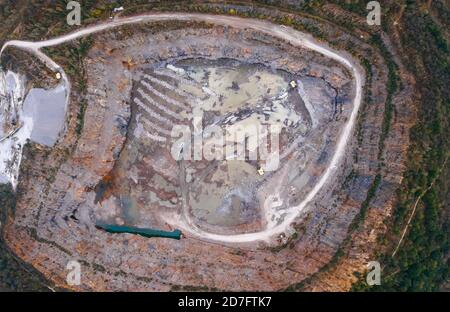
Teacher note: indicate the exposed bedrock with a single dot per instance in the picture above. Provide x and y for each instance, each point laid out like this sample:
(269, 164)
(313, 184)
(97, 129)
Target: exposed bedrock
(121, 170)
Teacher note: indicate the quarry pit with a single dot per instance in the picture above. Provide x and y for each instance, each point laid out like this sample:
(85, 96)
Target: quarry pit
(175, 171)
(234, 131)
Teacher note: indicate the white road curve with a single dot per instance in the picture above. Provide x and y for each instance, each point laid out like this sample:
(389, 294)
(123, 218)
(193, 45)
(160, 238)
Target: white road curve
(288, 34)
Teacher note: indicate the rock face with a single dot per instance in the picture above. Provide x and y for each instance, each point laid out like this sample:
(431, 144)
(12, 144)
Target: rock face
(225, 83)
(121, 170)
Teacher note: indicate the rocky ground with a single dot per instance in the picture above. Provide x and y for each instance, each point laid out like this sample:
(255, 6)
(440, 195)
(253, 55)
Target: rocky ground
(92, 173)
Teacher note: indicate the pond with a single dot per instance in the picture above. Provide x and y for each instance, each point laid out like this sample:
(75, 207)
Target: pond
(46, 108)
(37, 115)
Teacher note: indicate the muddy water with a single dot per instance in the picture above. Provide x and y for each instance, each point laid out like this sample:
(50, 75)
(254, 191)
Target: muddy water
(227, 197)
(37, 116)
(47, 109)
(241, 95)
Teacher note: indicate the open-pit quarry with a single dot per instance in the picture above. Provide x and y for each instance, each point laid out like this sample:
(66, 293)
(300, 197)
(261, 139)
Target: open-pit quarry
(249, 137)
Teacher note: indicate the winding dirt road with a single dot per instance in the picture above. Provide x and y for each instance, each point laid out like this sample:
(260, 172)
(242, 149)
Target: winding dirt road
(290, 35)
